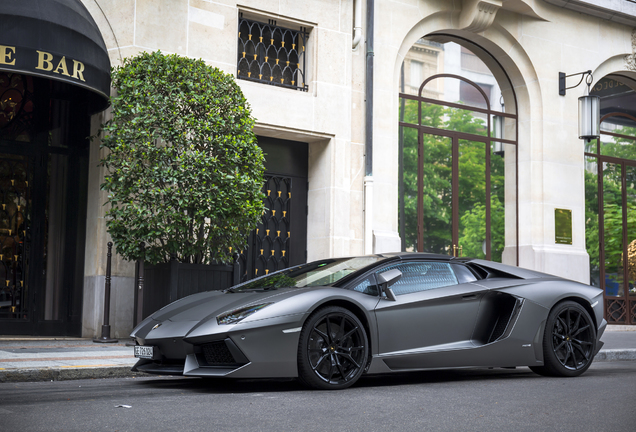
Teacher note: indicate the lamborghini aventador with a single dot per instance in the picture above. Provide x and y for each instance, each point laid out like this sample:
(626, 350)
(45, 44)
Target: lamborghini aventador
(329, 322)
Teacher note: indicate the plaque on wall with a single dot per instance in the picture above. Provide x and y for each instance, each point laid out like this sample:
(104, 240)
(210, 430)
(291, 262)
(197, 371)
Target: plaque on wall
(563, 226)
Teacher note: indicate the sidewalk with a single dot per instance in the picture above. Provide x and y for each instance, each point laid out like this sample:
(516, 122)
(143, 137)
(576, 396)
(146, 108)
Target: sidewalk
(55, 359)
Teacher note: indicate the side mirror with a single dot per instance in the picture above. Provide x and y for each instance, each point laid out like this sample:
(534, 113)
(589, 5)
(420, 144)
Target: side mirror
(388, 278)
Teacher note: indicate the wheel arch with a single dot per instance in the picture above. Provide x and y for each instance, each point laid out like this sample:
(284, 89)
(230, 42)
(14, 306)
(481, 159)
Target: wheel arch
(584, 303)
(356, 310)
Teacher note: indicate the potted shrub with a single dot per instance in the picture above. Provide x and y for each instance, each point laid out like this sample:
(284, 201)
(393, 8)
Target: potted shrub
(184, 172)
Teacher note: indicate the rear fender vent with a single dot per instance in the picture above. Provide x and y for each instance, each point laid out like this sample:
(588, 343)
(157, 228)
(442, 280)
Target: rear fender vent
(506, 318)
(498, 313)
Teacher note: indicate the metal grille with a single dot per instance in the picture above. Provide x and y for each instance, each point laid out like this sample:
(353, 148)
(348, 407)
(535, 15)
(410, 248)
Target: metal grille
(269, 243)
(15, 215)
(616, 311)
(272, 54)
(16, 107)
(217, 353)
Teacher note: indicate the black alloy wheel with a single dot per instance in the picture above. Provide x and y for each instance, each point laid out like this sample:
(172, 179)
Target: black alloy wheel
(569, 341)
(333, 349)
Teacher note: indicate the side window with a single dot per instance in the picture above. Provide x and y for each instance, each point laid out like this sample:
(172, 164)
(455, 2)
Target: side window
(367, 286)
(422, 276)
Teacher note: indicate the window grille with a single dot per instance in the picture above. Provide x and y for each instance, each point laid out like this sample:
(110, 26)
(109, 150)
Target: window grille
(272, 54)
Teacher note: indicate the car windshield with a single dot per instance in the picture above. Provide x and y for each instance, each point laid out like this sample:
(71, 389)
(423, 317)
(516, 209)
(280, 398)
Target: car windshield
(318, 273)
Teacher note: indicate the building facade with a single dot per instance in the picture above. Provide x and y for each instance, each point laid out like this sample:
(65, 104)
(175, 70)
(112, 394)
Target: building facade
(408, 125)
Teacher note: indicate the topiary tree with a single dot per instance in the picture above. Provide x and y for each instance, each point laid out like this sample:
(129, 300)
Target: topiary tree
(184, 170)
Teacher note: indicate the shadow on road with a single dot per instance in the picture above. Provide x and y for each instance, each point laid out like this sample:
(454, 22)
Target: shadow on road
(226, 386)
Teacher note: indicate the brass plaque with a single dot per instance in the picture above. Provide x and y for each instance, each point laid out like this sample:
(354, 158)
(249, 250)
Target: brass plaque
(563, 226)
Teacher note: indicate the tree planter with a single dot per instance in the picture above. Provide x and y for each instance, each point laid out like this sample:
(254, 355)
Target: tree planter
(167, 282)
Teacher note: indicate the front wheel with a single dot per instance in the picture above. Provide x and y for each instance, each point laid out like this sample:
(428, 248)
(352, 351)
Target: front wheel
(568, 341)
(333, 349)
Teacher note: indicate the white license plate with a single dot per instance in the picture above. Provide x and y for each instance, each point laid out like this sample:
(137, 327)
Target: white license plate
(146, 352)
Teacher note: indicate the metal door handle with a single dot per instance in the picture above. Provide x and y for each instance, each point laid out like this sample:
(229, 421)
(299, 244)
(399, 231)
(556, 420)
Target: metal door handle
(469, 297)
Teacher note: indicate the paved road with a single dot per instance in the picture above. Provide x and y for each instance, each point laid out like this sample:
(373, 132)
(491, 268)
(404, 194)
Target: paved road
(604, 399)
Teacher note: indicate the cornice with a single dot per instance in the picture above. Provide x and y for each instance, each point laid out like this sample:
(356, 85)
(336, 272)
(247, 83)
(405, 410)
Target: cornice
(619, 11)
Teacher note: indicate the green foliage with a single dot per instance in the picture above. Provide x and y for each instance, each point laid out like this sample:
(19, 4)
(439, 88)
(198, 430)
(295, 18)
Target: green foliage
(621, 147)
(591, 219)
(612, 211)
(184, 170)
(474, 230)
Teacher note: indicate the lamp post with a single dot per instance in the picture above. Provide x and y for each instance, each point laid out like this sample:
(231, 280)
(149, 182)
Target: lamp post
(105, 338)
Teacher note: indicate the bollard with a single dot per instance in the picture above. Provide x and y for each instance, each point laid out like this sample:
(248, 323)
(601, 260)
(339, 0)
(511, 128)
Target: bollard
(139, 292)
(105, 337)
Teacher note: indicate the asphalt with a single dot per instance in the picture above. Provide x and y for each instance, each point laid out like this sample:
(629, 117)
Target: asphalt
(24, 359)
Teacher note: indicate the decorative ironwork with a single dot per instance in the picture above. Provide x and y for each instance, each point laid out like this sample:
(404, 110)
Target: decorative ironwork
(632, 308)
(16, 106)
(15, 215)
(269, 243)
(272, 54)
(616, 310)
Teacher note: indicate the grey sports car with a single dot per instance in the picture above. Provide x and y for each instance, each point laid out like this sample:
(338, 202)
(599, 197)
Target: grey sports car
(330, 321)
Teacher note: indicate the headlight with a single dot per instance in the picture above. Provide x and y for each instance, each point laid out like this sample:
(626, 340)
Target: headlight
(237, 315)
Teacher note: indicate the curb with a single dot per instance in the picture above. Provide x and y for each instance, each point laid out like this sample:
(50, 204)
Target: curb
(50, 374)
(615, 355)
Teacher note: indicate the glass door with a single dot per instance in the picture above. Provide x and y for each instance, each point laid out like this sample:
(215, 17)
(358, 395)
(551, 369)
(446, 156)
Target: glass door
(434, 194)
(471, 238)
(619, 240)
(454, 183)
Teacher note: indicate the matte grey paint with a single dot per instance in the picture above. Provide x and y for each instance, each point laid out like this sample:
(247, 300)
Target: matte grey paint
(437, 328)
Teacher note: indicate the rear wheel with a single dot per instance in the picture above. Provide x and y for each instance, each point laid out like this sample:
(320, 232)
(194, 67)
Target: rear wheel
(568, 341)
(333, 349)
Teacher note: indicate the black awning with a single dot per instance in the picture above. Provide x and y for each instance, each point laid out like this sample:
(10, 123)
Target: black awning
(56, 39)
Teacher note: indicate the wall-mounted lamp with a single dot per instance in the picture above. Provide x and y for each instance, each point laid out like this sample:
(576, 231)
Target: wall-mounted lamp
(589, 106)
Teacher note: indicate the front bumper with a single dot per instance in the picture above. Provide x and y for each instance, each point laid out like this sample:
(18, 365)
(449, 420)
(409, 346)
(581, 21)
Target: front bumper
(244, 351)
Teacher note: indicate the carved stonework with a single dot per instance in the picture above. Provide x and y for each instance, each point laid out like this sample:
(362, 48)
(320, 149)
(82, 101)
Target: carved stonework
(478, 15)
(630, 60)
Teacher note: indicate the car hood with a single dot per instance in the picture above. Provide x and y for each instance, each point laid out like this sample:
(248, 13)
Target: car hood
(212, 303)
(182, 317)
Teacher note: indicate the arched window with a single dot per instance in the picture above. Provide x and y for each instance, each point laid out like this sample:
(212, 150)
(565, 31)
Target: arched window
(610, 195)
(458, 159)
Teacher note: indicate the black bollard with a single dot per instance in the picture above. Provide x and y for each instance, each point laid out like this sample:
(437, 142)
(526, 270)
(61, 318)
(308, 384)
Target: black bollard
(105, 337)
(139, 292)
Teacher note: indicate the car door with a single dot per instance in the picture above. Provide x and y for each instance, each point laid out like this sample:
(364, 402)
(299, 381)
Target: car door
(432, 312)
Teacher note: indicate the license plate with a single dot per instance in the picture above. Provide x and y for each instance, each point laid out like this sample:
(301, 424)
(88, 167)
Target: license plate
(146, 352)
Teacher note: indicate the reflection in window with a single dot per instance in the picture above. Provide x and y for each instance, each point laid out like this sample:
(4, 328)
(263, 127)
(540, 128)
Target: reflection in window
(470, 95)
(421, 276)
(452, 100)
(416, 73)
(367, 286)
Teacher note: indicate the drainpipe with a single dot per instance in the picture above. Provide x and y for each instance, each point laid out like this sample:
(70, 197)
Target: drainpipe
(357, 23)
(368, 133)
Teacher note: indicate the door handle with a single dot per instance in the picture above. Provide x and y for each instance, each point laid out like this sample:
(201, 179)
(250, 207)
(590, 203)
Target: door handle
(469, 297)
(455, 249)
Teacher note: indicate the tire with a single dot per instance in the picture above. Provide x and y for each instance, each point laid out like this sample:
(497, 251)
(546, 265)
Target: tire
(569, 341)
(333, 349)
